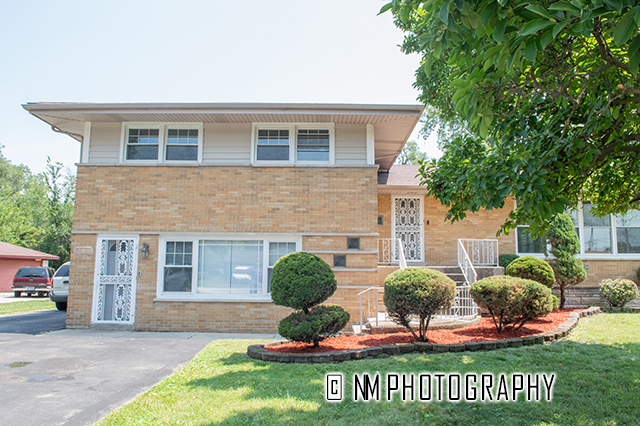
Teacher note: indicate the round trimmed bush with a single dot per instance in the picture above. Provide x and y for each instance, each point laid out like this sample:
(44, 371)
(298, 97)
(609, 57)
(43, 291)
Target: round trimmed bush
(301, 280)
(511, 301)
(532, 268)
(555, 301)
(618, 292)
(419, 292)
(319, 323)
(505, 259)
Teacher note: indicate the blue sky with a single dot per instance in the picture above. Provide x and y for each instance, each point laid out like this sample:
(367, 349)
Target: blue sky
(334, 51)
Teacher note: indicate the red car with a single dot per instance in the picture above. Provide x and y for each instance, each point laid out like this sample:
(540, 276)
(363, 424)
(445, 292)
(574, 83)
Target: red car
(32, 280)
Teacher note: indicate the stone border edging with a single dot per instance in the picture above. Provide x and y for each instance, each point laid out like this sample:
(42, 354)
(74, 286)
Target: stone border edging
(258, 351)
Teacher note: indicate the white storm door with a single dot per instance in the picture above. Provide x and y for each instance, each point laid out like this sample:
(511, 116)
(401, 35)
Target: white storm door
(115, 280)
(408, 226)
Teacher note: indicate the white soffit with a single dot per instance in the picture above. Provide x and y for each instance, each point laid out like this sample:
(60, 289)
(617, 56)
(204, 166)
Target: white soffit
(392, 123)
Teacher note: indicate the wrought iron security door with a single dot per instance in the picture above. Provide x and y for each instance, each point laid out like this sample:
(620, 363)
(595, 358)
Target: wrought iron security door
(114, 292)
(408, 227)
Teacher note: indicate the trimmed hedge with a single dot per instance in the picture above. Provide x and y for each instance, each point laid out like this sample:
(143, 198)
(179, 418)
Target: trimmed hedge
(419, 292)
(319, 323)
(301, 280)
(505, 259)
(532, 268)
(511, 301)
(618, 292)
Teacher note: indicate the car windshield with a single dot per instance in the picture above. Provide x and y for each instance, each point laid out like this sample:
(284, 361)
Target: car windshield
(31, 273)
(63, 271)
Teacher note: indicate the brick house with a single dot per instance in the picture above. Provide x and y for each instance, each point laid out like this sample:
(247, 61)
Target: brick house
(182, 209)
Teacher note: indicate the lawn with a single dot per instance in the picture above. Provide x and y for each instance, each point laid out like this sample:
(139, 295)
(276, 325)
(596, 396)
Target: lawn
(26, 306)
(597, 383)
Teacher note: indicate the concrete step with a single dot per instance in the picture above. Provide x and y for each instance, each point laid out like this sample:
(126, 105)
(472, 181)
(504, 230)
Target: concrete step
(446, 269)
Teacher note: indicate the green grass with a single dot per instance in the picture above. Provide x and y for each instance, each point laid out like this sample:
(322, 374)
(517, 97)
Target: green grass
(26, 306)
(597, 383)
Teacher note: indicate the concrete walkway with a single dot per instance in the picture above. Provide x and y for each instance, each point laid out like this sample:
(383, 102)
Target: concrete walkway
(9, 298)
(76, 377)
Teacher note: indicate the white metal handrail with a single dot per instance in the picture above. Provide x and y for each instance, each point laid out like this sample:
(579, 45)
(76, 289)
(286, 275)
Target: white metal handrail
(481, 252)
(390, 251)
(465, 264)
(368, 293)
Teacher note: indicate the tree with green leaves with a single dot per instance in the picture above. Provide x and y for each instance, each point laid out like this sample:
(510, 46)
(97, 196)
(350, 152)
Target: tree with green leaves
(541, 99)
(411, 154)
(565, 244)
(36, 210)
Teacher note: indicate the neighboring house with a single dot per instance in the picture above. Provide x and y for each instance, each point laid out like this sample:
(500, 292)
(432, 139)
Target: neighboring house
(13, 257)
(183, 209)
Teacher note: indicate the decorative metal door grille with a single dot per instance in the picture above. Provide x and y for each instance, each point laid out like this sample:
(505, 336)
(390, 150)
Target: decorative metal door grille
(408, 227)
(115, 280)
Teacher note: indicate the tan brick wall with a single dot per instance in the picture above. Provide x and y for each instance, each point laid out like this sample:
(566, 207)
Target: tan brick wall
(441, 238)
(81, 273)
(599, 270)
(148, 200)
(226, 199)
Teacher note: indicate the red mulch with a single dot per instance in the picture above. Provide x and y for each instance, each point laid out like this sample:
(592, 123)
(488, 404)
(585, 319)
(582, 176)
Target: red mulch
(483, 331)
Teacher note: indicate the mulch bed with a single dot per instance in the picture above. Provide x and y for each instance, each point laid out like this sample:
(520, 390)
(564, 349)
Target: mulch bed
(483, 331)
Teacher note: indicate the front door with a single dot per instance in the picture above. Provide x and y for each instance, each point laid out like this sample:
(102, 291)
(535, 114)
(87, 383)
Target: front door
(115, 280)
(408, 227)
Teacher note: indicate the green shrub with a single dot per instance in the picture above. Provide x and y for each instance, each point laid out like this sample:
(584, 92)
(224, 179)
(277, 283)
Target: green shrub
(418, 292)
(532, 268)
(618, 292)
(505, 259)
(511, 301)
(319, 323)
(301, 280)
(565, 243)
(555, 301)
(638, 274)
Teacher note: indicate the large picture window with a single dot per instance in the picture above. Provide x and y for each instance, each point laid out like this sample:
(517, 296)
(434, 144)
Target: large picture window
(610, 235)
(220, 268)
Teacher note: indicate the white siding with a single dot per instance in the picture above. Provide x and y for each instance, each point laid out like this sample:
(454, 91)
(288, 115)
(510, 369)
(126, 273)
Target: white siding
(104, 146)
(227, 143)
(351, 144)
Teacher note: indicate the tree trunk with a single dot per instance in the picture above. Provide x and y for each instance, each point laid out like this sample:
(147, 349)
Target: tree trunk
(562, 297)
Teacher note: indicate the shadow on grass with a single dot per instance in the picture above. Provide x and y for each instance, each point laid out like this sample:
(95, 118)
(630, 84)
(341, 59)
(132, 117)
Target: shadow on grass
(596, 384)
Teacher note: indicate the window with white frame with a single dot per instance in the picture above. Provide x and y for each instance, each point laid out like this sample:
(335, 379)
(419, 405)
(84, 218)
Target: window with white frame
(313, 145)
(162, 142)
(213, 268)
(272, 145)
(142, 144)
(182, 145)
(178, 271)
(610, 235)
(293, 143)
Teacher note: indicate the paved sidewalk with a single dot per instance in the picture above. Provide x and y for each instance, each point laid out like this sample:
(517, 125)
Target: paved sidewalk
(77, 376)
(9, 298)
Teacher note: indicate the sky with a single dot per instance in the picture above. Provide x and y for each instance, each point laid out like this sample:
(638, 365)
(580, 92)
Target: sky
(306, 51)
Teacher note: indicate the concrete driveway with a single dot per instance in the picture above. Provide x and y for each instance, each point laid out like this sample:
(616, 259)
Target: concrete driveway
(75, 377)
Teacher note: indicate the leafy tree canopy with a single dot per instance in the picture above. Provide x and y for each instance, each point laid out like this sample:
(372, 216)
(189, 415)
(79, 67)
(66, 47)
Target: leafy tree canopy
(411, 154)
(540, 99)
(36, 210)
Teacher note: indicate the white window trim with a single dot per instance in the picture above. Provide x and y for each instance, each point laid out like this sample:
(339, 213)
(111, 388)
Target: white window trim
(614, 255)
(293, 142)
(162, 141)
(162, 295)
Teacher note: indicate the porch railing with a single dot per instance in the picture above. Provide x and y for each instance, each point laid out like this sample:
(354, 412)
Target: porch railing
(466, 265)
(481, 252)
(390, 251)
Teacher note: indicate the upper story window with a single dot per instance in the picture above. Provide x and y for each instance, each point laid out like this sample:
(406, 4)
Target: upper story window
(162, 142)
(273, 145)
(293, 143)
(142, 144)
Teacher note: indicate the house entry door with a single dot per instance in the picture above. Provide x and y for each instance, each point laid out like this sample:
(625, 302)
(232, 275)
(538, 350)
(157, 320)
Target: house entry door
(408, 227)
(115, 280)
